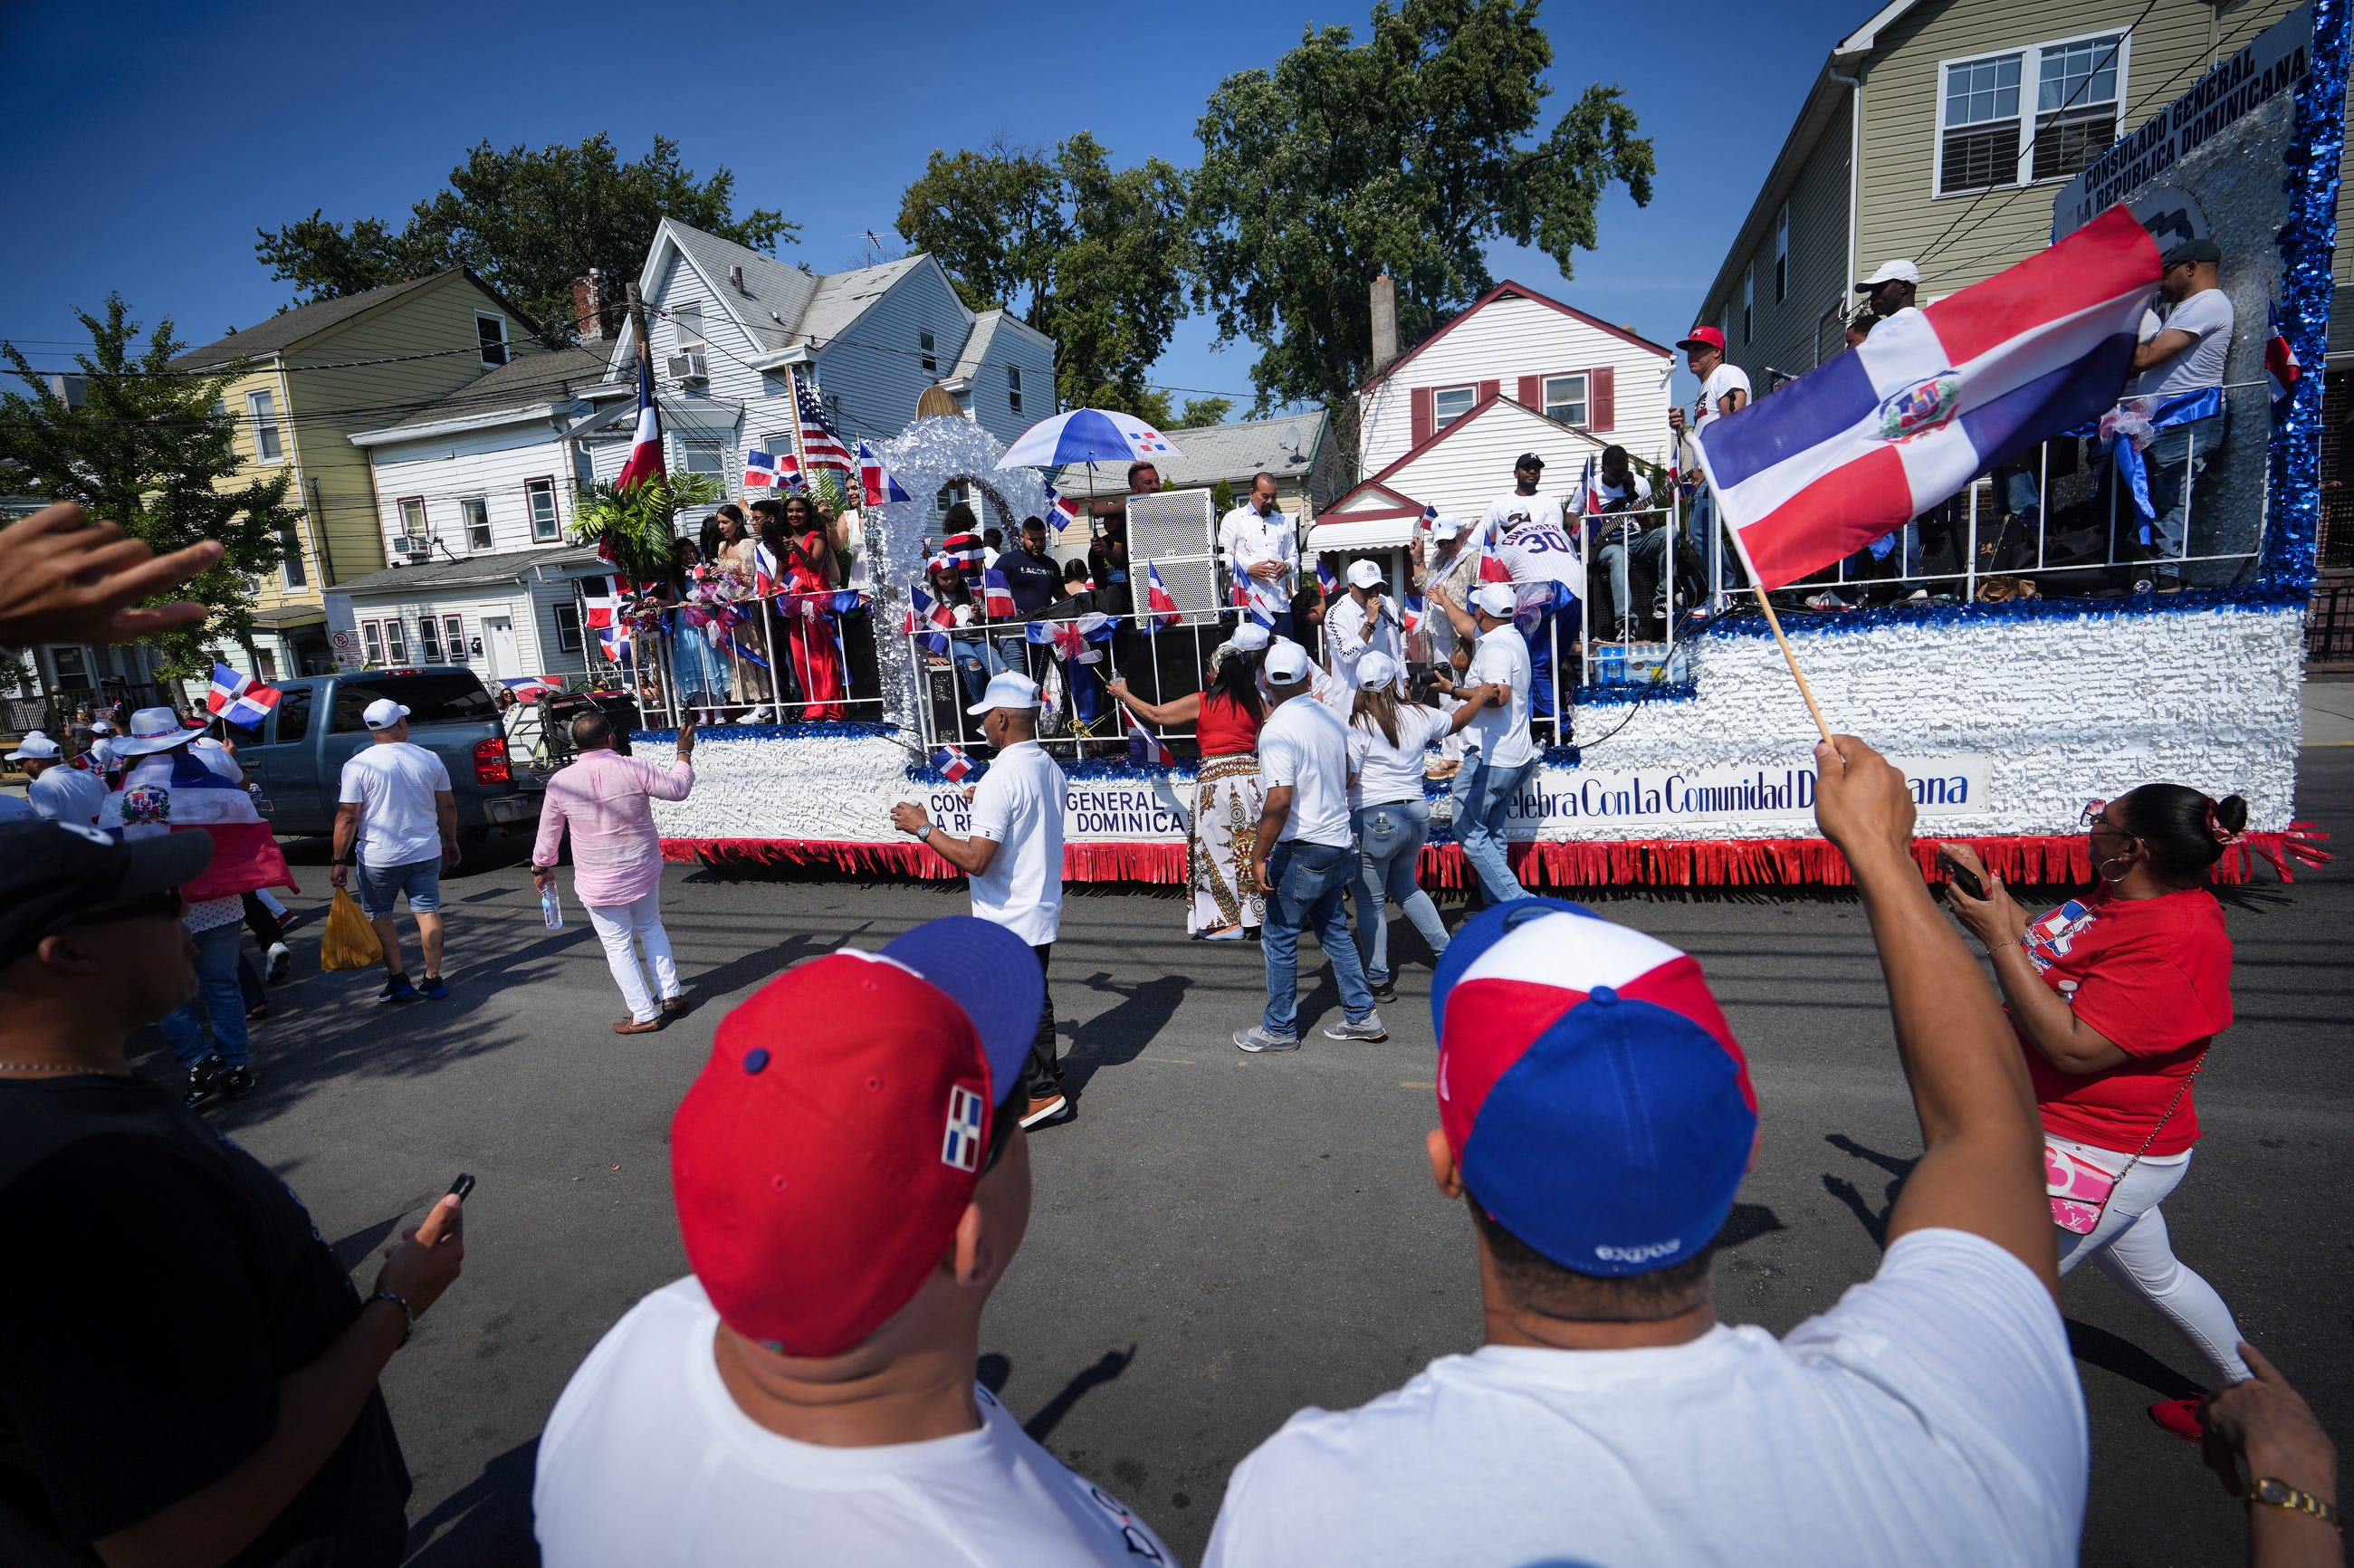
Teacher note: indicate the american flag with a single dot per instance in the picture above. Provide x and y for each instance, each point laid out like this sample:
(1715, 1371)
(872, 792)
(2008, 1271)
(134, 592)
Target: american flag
(820, 445)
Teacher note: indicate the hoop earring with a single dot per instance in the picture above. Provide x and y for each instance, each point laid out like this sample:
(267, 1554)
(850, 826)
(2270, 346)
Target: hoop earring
(2101, 869)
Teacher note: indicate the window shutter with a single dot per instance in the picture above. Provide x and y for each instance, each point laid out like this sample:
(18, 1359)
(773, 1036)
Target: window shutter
(1487, 390)
(1426, 418)
(1601, 397)
(1533, 392)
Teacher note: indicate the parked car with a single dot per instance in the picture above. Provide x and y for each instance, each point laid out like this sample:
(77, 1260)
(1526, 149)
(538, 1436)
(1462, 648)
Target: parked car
(296, 754)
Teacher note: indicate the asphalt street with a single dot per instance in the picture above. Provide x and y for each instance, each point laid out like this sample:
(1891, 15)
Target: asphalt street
(1219, 1239)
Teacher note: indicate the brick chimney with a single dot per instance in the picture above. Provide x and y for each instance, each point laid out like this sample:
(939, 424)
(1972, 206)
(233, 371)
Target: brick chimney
(589, 306)
(1385, 333)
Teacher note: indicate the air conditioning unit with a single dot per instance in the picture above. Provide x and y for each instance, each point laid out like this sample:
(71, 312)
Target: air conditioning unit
(688, 367)
(416, 546)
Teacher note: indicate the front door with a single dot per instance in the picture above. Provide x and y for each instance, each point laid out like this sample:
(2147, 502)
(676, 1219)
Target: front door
(499, 646)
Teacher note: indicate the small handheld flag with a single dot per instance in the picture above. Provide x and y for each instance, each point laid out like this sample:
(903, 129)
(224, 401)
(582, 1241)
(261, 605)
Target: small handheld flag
(1062, 510)
(1410, 612)
(766, 471)
(996, 596)
(239, 699)
(876, 480)
(2281, 367)
(1162, 607)
(1327, 579)
(955, 766)
(1146, 749)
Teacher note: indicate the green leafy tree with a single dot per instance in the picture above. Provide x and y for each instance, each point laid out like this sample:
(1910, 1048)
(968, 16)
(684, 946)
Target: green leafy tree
(149, 448)
(640, 526)
(1206, 411)
(1409, 155)
(1092, 256)
(529, 223)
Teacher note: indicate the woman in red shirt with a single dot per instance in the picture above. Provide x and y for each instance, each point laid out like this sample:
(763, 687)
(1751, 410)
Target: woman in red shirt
(1227, 902)
(812, 576)
(2115, 999)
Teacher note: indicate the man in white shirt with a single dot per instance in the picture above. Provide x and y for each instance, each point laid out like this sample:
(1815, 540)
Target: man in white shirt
(1621, 529)
(1363, 621)
(1598, 1136)
(57, 790)
(1304, 858)
(2184, 355)
(396, 807)
(1500, 754)
(1262, 551)
(1723, 389)
(1014, 856)
(850, 1182)
(1890, 290)
(1523, 532)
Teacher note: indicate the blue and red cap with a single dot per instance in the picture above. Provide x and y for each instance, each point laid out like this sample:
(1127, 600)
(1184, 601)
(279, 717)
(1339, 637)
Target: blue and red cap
(1596, 1100)
(822, 1161)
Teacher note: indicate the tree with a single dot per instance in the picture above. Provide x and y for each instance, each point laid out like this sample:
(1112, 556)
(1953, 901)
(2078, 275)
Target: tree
(1206, 411)
(529, 223)
(149, 448)
(638, 527)
(1407, 155)
(1093, 257)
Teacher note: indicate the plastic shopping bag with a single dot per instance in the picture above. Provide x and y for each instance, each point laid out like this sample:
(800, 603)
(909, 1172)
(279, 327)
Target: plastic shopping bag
(349, 941)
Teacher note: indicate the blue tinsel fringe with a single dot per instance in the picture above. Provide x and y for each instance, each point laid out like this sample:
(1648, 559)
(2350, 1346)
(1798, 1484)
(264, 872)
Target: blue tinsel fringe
(2316, 145)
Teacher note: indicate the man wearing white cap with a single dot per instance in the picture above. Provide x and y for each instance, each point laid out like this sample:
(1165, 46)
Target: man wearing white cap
(58, 792)
(1014, 857)
(1502, 756)
(1449, 573)
(1889, 291)
(395, 802)
(1363, 621)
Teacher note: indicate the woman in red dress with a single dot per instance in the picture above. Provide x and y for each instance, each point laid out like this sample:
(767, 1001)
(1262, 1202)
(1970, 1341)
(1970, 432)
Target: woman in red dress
(811, 575)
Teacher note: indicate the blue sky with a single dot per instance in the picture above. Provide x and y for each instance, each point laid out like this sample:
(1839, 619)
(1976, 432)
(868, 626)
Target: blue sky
(149, 142)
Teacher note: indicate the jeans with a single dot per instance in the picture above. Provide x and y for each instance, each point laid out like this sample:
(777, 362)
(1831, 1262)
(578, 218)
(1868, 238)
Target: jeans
(2130, 1246)
(2171, 461)
(1305, 887)
(1648, 546)
(1483, 794)
(977, 660)
(1702, 521)
(223, 1001)
(1046, 1077)
(615, 924)
(1540, 638)
(1389, 848)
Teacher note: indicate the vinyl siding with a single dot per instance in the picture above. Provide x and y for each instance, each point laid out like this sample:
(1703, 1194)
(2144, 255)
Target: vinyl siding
(1473, 465)
(872, 374)
(495, 465)
(1784, 335)
(989, 402)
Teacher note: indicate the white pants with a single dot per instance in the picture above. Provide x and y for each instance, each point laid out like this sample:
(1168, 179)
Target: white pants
(2130, 1246)
(615, 924)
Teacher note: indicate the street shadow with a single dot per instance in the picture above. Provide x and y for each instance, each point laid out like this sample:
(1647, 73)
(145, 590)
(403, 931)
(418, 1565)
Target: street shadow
(486, 1521)
(1118, 1035)
(1746, 1223)
(1874, 1221)
(2113, 1353)
(765, 965)
(354, 1249)
(994, 1369)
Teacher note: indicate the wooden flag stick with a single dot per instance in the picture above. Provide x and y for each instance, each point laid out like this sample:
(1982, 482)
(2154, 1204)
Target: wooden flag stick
(1789, 658)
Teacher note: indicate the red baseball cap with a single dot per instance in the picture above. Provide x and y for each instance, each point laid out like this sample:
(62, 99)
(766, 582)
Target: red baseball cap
(1705, 337)
(821, 1162)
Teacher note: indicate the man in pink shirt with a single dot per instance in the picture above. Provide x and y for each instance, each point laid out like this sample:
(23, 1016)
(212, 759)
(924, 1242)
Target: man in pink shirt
(616, 858)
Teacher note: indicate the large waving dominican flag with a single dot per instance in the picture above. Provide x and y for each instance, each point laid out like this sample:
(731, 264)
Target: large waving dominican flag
(876, 480)
(1866, 441)
(239, 699)
(645, 451)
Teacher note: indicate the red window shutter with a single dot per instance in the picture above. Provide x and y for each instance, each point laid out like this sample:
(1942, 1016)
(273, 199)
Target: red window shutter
(1425, 417)
(1487, 390)
(1533, 392)
(1601, 397)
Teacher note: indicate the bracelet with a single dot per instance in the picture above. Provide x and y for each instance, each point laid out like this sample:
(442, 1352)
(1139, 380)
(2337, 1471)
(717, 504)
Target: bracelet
(2273, 1492)
(407, 1318)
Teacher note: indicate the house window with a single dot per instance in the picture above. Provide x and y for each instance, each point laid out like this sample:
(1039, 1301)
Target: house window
(412, 523)
(1013, 386)
(453, 637)
(491, 336)
(373, 639)
(1748, 299)
(265, 663)
(584, 466)
(567, 627)
(262, 409)
(929, 351)
(1991, 133)
(539, 495)
(291, 570)
(703, 457)
(429, 639)
(395, 642)
(1449, 404)
(476, 512)
(71, 663)
(949, 495)
(1565, 398)
(688, 322)
(1782, 255)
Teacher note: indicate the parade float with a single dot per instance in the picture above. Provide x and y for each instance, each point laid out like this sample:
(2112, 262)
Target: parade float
(2006, 716)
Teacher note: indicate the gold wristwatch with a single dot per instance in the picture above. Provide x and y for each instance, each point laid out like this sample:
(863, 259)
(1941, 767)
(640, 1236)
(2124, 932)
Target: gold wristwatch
(2273, 1492)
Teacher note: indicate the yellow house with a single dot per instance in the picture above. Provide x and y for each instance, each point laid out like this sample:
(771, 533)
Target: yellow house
(319, 373)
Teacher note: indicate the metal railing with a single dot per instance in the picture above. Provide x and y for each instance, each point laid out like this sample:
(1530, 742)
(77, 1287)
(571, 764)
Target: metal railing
(757, 678)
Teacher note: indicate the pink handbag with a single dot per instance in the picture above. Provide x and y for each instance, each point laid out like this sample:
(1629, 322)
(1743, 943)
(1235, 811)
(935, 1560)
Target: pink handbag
(2080, 1190)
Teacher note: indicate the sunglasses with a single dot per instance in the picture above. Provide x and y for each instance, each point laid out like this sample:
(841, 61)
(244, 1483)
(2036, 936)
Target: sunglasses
(2095, 815)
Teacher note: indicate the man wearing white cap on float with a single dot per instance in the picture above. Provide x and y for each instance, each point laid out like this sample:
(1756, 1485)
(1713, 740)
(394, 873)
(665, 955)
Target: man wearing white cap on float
(1014, 857)
(1363, 621)
(58, 792)
(395, 803)
(1502, 755)
(1890, 290)
(1450, 571)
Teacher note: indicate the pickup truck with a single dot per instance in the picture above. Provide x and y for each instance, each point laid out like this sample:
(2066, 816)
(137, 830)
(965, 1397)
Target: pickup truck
(296, 754)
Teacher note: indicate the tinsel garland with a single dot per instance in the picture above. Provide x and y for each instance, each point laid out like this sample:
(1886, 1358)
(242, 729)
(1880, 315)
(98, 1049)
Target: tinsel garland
(1620, 696)
(796, 729)
(1797, 625)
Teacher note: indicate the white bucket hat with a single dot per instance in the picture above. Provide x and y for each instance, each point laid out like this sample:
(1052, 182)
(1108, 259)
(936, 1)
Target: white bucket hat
(154, 729)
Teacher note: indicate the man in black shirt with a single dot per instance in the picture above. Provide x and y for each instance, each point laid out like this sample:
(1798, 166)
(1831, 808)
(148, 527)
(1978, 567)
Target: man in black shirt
(187, 1374)
(1030, 574)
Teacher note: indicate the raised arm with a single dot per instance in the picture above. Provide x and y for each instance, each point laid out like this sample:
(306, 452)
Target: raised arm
(1184, 710)
(1981, 1168)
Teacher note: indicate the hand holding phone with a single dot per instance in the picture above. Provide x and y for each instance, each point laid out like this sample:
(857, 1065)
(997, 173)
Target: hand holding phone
(1959, 874)
(426, 1262)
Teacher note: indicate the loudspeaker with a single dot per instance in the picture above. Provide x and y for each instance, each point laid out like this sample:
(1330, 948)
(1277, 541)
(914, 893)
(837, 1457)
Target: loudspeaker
(1174, 522)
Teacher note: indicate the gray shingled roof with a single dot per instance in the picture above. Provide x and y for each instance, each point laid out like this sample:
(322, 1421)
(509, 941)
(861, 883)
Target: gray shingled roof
(1233, 452)
(841, 297)
(769, 284)
(977, 346)
(467, 571)
(524, 382)
(288, 328)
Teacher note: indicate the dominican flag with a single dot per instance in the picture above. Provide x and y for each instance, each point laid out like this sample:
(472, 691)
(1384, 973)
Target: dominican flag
(1325, 580)
(1157, 601)
(876, 480)
(1586, 501)
(645, 449)
(603, 597)
(239, 699)
(996, 596)
(819, 444)
(767, 575)
(1146, 749)
(923, 610)
(1259, 598)
(1410, 612)
(2281, 367)
(766, 471)
(1062, 511)
(531, 688)
(955, 766)
(1429, 515)
(1870, 440)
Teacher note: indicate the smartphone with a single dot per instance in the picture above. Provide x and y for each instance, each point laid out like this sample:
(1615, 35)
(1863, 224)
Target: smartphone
(431, 1231)
(1963, 877)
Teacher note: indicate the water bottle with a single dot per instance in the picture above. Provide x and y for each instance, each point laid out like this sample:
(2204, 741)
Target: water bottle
(551, 913)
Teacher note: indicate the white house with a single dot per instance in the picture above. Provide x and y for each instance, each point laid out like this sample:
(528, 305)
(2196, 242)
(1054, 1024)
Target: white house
(1517, 372)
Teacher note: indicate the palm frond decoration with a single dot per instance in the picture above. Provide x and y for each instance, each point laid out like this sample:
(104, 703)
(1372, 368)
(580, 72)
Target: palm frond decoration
(639, 526)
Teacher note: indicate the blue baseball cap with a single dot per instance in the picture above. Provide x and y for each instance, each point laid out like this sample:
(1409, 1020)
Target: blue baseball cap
(1596, 1103)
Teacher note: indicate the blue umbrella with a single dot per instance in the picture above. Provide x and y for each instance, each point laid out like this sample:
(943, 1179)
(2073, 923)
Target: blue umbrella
(1088, 436)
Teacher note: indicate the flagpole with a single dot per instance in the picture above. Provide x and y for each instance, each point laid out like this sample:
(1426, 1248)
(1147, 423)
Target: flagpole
(1775, 622)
